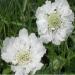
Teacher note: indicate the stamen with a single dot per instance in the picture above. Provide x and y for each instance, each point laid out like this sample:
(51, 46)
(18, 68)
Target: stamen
(54, 21)
(23, 57)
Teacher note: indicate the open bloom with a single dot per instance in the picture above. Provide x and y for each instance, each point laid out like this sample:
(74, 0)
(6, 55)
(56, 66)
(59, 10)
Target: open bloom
(23, 52)
(54, 21)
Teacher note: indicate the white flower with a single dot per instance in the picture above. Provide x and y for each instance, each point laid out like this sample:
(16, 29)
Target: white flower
(23, 52)
(54, 21)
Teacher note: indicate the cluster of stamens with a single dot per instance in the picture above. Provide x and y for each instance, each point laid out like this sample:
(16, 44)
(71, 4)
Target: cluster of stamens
(54, 21)
(23, 57)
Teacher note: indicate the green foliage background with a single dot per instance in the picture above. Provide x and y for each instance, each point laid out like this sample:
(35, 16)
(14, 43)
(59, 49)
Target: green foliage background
(16, 14)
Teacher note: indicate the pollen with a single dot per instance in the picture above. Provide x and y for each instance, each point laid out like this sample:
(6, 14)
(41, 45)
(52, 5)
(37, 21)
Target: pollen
(23, 57)
(54, 21)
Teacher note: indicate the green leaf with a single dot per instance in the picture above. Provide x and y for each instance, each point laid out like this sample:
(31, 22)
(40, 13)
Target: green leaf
(6, 70)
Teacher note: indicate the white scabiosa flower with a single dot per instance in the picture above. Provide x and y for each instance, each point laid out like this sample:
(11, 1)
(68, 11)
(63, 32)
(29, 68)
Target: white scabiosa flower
(23, 52)
(54, 21)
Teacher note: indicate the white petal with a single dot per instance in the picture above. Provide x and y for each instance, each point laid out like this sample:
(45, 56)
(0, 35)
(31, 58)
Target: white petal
(23, 32)
(45, 9)
(37, 48)
(19, 70)
(67, 15)
(42, 26)
(58, 37)
(61, 3)
(38, 67)
(7, 49)
(46, 38)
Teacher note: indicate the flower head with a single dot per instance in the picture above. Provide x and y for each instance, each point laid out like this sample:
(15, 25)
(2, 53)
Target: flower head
(54, 21)
(23, 52)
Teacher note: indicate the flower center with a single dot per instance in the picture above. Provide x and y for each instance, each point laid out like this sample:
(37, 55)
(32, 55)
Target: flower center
(23, 57)
(54, 21)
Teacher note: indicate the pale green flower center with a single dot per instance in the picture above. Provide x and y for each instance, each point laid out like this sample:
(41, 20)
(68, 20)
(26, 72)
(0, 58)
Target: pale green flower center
(23, 57)
(54, 21)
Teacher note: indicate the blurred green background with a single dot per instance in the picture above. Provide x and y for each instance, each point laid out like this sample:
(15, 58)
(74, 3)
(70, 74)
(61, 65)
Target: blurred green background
(17, 14)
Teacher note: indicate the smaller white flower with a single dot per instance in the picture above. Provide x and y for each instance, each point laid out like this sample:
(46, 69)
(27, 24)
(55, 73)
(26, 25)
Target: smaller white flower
(54, 21)
(23, 52)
